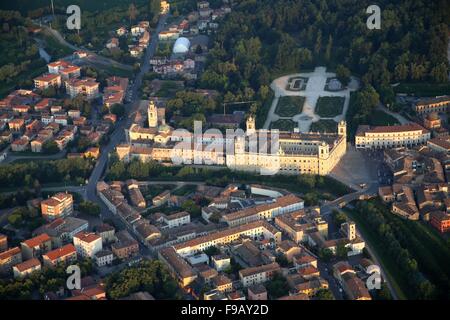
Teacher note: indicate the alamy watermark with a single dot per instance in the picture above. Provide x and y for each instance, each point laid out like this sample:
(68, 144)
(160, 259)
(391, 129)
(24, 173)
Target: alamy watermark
(74, 20)
(256, 148)
(374, 20)
(74, 280)
(374, 280)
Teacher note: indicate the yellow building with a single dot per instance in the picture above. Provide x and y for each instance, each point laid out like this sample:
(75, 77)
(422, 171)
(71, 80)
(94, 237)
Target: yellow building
(380, 137)
(298, 153)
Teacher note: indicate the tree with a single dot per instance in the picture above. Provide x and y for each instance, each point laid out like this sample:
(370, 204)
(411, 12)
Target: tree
(343, 74)
(89, 208)
(324, 294)
(277, 287)
(132, 12)
(118, 110)
(50, 147)
(325, 254)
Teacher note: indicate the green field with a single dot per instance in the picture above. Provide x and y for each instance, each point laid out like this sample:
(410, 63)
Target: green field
(381, 118)
(326, 125)
(283, 125)
(289, 106)
(330, 107)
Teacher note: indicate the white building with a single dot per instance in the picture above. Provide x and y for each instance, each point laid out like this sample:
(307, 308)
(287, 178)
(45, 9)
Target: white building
(87, 244)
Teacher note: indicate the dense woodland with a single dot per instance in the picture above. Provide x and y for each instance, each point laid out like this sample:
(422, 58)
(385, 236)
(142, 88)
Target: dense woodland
(263, 39)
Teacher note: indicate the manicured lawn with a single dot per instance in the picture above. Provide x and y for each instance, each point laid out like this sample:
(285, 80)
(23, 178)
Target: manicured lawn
(289, 106)
(283, 125)
(381, 118)
(329, 107)
(326, 125)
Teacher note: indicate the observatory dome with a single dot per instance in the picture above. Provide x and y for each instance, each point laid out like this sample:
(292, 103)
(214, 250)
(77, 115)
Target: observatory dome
(181, 45)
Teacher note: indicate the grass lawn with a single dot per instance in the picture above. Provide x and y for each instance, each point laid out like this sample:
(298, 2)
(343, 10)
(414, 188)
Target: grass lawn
(423, 89)
(326, 125)
(381, 118)
(283, 125)
(390, 268)
(289, 106)
(330, 107)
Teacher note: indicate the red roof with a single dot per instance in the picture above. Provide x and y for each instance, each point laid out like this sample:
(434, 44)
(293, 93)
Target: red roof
(87, 236)
(61, 252)
(37, 241)
(28, 265)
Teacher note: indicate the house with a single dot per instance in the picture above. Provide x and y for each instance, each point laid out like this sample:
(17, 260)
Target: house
(107, 232)
(103, 258)
(63, 255)
(121, 31)
(62, 230)
(289, 249)
(257, 275)
(9, 259)
(112, 43)
(16, 124)
(257, 292)
(161, 199)
(126, 246)
(440, 221)
(35, 247)
(25, 268)
(176, 219)
(177, 266)
(87, 87)
(222, 283)
(47, 80)
(20, 145)
(221, 262)
(87, 244)
(58, 206)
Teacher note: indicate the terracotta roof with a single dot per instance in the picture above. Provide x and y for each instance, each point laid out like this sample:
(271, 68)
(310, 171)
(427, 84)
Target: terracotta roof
(61, 252)
(37, 241)
(9, 253)
(28, 265)
(87, 236)
(255, 270)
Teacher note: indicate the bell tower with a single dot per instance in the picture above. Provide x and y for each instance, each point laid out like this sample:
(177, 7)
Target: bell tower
(152, 115)
(251, 127)
(342, 128)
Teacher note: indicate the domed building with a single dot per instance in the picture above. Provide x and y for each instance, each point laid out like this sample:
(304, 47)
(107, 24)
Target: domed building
(181, 46)
(432, 121)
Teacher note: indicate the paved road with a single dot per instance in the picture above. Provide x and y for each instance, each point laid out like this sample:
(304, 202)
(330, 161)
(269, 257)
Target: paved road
(119, 133)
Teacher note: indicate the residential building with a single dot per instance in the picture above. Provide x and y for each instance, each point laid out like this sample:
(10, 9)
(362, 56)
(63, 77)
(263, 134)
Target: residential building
(103, 258)
(58, 206)
(47, 80)
(36, 247)
(25, 268)
(257, 292)
(258, 275)
(126, 246)
(429, 105)
(10, 258)
(179, 268)
(3, 242)
(87, 87)
(63, 255)
(87, 244)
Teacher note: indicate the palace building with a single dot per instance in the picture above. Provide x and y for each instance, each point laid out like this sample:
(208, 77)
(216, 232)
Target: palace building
(380, 137)
(296, 153)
